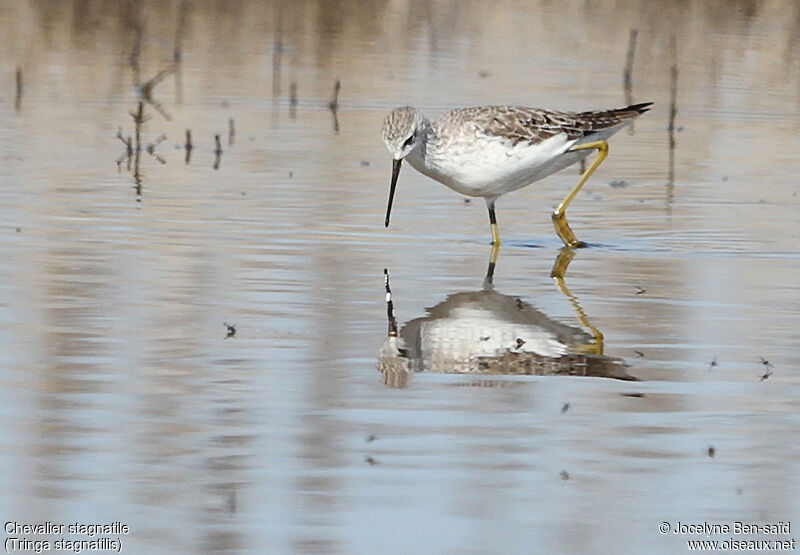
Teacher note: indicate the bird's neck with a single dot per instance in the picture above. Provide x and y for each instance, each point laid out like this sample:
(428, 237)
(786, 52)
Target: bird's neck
(418, 157)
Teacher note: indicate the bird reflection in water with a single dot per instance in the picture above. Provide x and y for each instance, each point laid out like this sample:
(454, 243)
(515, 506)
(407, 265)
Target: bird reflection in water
(486, 332)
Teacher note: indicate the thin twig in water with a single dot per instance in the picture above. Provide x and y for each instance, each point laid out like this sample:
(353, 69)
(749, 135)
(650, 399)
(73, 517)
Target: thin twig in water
(145, 91)
(177, 52)
(151, 148)
(673, 111)
(18, 97)
(128, 154)
(231, 132)
(138, 120)
(333, 105)
(277, 52)
(335, 122)
(293, 99)
(217, 152)
(628, 74)
(126, 142)
(188, 146)
(136, 49)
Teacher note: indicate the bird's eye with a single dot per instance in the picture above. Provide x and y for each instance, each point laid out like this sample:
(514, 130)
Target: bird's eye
(409, 142)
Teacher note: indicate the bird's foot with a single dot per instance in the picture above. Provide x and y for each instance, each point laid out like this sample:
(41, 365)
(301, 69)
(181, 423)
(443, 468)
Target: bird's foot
(563, 230)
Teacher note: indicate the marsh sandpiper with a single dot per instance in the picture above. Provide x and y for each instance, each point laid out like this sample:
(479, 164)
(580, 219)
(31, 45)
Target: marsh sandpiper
(491, 150)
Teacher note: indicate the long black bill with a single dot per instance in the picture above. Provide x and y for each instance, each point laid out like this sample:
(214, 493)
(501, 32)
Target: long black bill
(395, 173)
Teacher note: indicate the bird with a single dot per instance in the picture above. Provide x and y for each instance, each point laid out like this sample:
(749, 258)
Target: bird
(488, 151)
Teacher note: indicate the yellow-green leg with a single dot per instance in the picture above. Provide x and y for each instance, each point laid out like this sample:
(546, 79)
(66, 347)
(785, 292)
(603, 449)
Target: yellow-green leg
(559, 215)
(489, 279)
(493, 222)
(557, 273)
(495, 235)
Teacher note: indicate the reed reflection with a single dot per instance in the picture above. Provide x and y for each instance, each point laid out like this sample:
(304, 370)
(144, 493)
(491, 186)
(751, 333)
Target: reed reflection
(488, 332)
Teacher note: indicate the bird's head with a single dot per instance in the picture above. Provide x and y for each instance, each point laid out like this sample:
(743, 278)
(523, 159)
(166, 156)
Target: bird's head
(402, 132)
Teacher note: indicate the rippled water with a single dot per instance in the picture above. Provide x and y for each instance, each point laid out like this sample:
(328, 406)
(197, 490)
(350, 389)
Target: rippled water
(124, 399)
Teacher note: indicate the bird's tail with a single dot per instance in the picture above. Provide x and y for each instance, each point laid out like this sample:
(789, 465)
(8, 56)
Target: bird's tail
(595, 121)
(640, 108)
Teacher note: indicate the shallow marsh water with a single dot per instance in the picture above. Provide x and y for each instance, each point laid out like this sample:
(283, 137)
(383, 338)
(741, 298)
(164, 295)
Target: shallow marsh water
(124, 400)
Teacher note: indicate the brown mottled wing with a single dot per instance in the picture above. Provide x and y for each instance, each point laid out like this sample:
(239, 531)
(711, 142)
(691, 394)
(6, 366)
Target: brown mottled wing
(531, 125)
